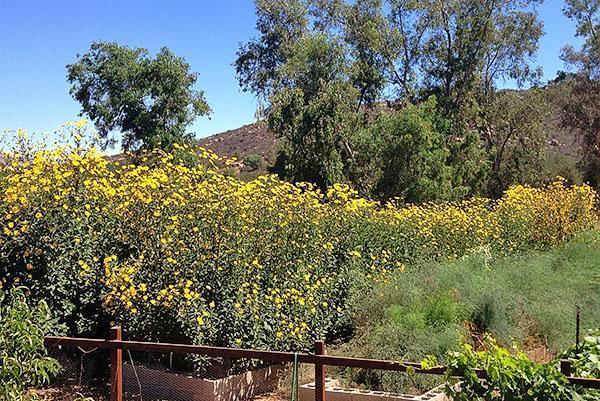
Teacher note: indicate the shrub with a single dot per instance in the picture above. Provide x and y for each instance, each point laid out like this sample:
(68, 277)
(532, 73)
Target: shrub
(253, 161)
(586, 357)
(431, 307)
(561, 165)
(23, 360)
(510, 376)
(403, 154)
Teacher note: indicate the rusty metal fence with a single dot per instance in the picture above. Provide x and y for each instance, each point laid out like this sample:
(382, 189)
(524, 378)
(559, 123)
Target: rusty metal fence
(131, 370)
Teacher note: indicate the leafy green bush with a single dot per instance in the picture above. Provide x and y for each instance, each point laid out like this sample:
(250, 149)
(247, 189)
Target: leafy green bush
(406, 320)
(253, 161)
(23, 359)
(558, 164)
(586, 357)
(403, 154)
(510, 376)
(514, 376)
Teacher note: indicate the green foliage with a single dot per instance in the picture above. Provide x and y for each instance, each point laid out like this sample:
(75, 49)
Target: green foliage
(518, 138)
(438, 309)
(151, 101)
(366, 32)
(415, 156)
(430, 308)
(405, 322)
(468, 46)
(313, 112)
(581, 115)
(559, 165)
(513, 376)
(280, 24)
(580, 104)
(470, 160)
(586, 357)
(253, 161)
(411, 154)
(512, 297)
(23, 360)
(452, 48)
(509, 376)
(401, 51)
(586, 14)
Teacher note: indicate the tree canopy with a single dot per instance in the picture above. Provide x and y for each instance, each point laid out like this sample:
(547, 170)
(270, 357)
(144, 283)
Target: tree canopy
(411, 47)
(323, 66)
(581, 106)
(312, 109)
(149, 100)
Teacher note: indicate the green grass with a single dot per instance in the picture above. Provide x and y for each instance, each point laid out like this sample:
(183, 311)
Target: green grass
(527, 299)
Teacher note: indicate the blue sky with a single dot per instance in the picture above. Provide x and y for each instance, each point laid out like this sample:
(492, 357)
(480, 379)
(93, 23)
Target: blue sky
(38, 38)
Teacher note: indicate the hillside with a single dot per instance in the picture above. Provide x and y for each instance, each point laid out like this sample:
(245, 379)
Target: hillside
(247, 140)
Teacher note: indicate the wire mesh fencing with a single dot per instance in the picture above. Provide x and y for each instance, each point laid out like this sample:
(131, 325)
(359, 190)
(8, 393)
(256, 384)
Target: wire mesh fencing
(176, 377)
(84, 374)
(166, 376)
(364, 383)
(117, 370)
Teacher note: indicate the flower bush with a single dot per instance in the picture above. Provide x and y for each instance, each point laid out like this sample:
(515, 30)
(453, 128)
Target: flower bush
(175, 250)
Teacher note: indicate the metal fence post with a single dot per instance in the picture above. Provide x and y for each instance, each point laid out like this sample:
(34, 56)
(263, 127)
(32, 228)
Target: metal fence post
(319, 372)
(116, 367)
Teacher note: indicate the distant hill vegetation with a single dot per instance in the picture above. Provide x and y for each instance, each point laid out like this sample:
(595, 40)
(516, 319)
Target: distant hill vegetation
(255, 146)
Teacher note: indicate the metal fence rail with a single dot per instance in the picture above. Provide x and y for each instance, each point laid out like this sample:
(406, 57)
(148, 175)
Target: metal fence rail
(319, 359)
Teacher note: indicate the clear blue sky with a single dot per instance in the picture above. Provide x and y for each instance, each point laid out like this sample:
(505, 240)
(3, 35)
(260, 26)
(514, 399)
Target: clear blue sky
(38, 38)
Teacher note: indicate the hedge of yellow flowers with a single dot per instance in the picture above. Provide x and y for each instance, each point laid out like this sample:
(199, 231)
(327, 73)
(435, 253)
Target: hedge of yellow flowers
(177, 251)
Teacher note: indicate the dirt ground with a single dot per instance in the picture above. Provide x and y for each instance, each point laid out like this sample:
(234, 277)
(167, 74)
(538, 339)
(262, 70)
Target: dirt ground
(69, 393)
(75, 393)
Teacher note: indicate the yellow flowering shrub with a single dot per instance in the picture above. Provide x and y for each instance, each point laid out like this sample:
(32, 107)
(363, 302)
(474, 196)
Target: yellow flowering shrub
(177, 251)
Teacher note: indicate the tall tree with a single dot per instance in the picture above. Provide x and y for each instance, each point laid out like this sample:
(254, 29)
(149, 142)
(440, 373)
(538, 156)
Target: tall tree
(401, 51)
(469, 45)
(409, 23)
(150, 101)
(312, 110)
(586, 14)
(366, 31)
(518, 138)
(280, 25)
(451, 48)
(581, 109)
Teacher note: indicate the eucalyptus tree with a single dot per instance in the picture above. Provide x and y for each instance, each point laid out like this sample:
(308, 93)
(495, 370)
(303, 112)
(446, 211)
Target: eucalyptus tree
(581, 107)
(395, 51)
(312, 110)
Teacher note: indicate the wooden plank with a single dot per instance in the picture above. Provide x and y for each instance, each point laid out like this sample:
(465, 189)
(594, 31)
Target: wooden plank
(319, 372)
(271, 356)
(116, 366)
